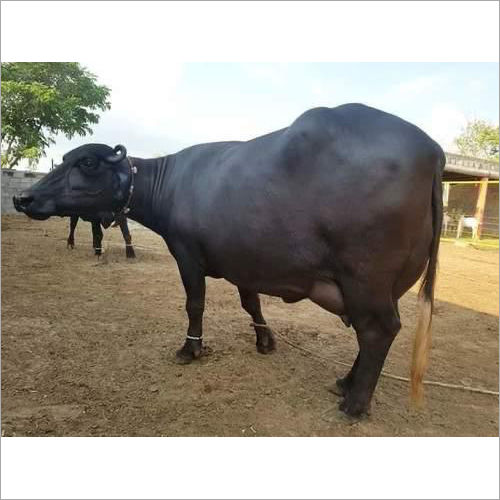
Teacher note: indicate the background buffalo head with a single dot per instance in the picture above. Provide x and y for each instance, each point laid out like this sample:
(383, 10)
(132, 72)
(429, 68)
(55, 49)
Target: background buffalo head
(91, 179)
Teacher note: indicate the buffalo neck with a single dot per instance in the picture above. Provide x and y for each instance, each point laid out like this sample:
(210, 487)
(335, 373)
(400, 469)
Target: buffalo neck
(150, 184)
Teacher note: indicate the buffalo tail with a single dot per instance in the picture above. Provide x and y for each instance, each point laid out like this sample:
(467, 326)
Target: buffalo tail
(422, 342)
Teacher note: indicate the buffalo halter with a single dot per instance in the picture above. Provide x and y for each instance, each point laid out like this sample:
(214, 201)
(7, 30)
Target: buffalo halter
(126, 209)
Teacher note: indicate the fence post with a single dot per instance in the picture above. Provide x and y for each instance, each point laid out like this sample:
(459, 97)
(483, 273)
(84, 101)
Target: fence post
(446, 194)
(480, 204)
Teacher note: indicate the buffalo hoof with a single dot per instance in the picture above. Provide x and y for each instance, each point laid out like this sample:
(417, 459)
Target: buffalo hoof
(98, 253)
(187, 355)
(353, 408)
(129, 252)
(70, 245)
(266, 349)
(265, 343)
(184, 358)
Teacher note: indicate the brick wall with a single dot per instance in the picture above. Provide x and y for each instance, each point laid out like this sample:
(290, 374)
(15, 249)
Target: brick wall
(13, 182)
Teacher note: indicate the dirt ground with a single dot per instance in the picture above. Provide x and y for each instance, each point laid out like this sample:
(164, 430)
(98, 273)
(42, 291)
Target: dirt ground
(88, 349)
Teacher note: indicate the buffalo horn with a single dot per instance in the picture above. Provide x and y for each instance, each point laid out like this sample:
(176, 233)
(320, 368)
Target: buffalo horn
(120, 154)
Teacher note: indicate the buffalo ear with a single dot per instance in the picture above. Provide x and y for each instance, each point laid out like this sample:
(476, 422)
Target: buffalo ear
(120, 154)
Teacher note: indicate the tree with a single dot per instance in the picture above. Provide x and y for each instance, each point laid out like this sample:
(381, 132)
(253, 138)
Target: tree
(479, 139)
(40, 100)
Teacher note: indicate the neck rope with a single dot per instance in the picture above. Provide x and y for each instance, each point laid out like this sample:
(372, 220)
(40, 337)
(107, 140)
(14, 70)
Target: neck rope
(126, 208)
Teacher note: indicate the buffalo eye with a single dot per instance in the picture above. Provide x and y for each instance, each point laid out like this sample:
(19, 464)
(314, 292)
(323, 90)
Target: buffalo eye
(89, 166)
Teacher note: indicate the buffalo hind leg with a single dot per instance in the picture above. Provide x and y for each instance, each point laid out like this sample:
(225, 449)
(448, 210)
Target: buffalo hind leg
(343, 385)
(194, 284)
(72, 226)
(97, 237)
(251, 303)
(129, 249)
(375, 333)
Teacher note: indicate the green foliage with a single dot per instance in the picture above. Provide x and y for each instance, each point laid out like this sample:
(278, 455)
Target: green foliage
(40, 100)
(479, 139)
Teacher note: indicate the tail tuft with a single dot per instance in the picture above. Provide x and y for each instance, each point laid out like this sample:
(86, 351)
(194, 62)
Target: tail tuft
(421, 348)
(422, 342)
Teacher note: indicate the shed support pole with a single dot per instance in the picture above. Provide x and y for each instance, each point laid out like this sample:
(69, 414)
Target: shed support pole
(481, 203)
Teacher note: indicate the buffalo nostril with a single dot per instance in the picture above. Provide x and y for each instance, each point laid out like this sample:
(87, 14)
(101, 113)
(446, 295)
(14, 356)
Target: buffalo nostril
(25, 199)
(22, 201)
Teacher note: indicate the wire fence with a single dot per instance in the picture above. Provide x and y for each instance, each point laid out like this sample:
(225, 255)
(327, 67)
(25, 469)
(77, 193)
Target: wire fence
(471, 212)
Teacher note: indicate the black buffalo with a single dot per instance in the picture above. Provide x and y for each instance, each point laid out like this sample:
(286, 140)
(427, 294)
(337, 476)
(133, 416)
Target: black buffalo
(104, 221)
(343, 207)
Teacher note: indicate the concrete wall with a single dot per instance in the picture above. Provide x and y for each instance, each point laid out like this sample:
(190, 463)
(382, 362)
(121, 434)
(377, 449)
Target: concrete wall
(13, 182)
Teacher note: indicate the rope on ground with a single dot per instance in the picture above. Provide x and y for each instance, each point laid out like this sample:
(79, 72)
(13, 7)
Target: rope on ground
(120, 245)
(389, 375)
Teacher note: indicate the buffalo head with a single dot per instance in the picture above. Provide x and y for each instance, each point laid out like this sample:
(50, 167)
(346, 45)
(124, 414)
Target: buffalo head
(91, 179)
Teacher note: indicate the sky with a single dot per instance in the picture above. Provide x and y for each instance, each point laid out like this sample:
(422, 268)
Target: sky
(159, 108)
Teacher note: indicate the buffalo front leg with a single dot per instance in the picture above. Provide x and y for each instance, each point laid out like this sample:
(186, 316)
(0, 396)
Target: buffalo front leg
(129, 249)
(251, 303)
(72, 226)
(194, 284)
(97, 237)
